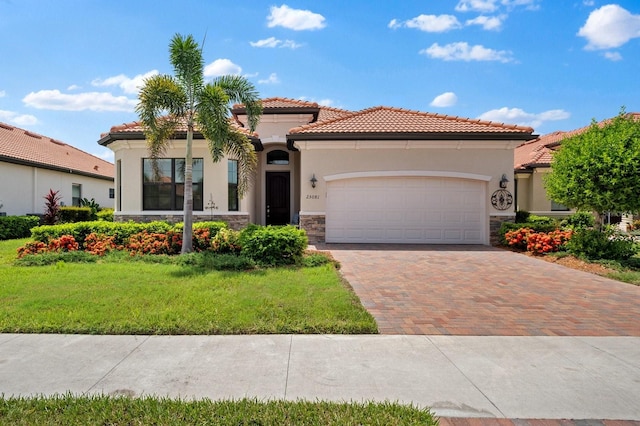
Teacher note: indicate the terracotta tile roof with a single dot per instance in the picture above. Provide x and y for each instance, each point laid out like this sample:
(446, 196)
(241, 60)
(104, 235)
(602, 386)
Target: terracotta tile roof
(539, 152)
(288, 105)
(25, 147)
(386, 120)
(278, 102)
(136, 128)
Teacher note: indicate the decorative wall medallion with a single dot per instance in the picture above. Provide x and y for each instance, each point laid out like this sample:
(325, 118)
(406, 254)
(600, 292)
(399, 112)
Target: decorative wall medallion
(501, 199)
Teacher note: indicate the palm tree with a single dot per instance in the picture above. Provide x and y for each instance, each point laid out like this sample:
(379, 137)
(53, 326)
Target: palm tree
(170, 103)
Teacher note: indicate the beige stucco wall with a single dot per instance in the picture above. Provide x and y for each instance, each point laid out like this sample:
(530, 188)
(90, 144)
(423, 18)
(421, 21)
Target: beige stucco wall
(128, 158)
(494, 160)
(532, 195)
(23, 188)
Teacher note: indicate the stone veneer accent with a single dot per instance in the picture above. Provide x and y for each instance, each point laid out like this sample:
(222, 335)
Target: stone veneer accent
(235, 221)
(314, 226)
(495, 222)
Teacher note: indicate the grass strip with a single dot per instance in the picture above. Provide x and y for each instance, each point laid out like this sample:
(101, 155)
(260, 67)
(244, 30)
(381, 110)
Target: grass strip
(106, 410)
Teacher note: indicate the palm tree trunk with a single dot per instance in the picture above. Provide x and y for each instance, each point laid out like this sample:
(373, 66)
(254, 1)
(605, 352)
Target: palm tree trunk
(187, 230)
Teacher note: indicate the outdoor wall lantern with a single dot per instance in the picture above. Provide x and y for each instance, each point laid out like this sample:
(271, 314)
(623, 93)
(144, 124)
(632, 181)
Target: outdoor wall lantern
(504, 181)
(313, 180)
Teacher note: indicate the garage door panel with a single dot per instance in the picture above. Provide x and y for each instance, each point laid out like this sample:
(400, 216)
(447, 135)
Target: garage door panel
(406, 210)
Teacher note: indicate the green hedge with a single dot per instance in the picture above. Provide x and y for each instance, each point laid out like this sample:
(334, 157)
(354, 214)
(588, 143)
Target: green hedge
(12, 227)
(105, 214)
(72, 214)
(120, 230)
(273, 245)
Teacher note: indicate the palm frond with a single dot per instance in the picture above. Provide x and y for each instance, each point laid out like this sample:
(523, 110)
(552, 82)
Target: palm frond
(239, 147)
(160, 106)
(213, 119)
(188, 64)
(241, 90)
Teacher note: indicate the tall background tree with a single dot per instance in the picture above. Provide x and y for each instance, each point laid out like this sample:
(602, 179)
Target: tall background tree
(184, 101)
(599, 169)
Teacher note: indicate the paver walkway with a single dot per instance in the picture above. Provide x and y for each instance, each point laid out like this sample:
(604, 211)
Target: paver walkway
(483, 291)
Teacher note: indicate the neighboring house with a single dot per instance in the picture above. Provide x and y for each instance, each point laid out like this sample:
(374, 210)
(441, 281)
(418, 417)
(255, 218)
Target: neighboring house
(532, 160)
(32, 164)
(377, 175)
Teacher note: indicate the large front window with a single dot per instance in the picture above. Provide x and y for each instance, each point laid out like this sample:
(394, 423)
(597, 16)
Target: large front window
(164, 190)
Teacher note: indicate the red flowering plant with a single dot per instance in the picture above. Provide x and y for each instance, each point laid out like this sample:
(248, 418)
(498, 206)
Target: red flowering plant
(148, 243)
(99, 244)
(541, 242)
(518, 238)
(32, 247)
(64, 243)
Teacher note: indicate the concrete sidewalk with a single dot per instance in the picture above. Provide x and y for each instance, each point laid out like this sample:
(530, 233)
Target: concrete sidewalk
(457, 376)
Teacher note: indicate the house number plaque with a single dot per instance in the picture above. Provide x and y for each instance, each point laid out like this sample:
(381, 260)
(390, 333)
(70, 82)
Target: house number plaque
(501, 199)
(313, 197)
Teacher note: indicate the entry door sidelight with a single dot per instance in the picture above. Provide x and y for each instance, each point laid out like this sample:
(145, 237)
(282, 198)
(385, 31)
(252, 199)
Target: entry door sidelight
(278, 197)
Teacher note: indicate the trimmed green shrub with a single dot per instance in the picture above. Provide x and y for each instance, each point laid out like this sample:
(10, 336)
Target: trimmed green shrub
(542, 220)
(226, 241)
(522, 216)
(70, 214)
(606, 244)
(578, 220)
(105, 215)
(313, 259)
(274, 245)
(12, 227)
(218, 262)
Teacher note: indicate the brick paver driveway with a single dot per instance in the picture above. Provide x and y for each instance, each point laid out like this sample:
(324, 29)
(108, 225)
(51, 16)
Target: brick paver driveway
(481, 291)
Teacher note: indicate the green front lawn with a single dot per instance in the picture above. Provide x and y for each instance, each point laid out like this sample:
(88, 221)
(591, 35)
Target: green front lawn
(104, 410)
(116, 295)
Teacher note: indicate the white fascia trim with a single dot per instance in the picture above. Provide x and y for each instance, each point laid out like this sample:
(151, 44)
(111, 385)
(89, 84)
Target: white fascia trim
(176, 212)
(408, 173)
(405, 144)
(312, 213)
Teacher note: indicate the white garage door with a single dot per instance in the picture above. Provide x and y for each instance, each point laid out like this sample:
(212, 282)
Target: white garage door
(412, 210)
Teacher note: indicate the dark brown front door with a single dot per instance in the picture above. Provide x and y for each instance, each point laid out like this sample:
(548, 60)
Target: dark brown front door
(278, 198)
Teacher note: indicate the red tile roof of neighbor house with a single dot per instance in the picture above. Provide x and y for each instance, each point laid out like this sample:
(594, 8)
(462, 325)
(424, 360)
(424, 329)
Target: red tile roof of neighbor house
(24, 147)
(539, 152)
(386, 120)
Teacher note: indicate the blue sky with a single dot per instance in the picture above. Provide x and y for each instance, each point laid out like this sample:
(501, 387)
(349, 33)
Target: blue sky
(70, 68)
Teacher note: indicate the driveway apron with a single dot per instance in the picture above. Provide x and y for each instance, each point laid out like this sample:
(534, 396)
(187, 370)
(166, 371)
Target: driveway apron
(483, 291)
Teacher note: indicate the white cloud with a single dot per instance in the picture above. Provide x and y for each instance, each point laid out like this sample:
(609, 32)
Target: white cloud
(588, 2)
(19, 119)
(91, 101)
(73, 87)
(461, 51)
(273, 42)
(272, 79)
(294, 19)
(429, 23)
(520, 117)
(477, 6)
(490, 6)
(128, 85)
(613, 56)
(487, 22)
(222, 67)
(394, 24)
(3, 93)
(444, 100)
(610, 26)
